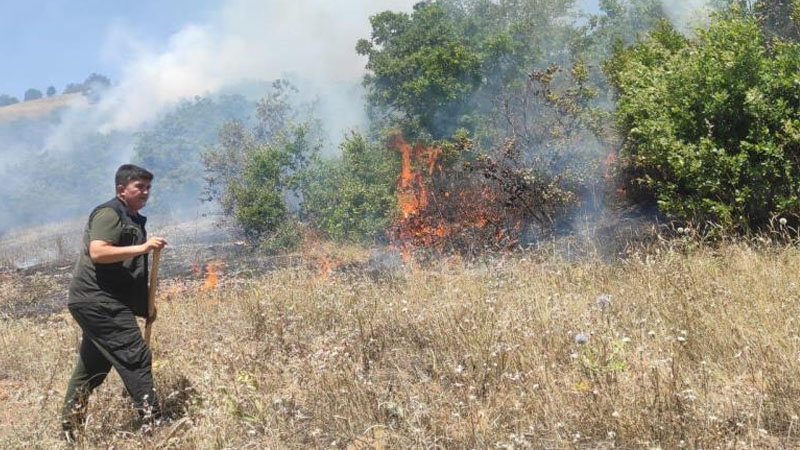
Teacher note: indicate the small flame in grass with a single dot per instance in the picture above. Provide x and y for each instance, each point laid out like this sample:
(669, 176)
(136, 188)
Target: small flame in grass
(318, 256)
(211, 279)
(326, 266)
(608, 165)
(608, 173)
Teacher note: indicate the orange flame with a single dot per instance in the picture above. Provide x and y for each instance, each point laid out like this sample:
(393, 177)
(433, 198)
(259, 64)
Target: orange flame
(211, 277)
(608, 165)
(437, 217)
(412, 194)
(327, 264)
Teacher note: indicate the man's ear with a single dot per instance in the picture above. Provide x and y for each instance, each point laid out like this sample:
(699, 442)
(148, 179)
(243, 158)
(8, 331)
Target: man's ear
(120, 189)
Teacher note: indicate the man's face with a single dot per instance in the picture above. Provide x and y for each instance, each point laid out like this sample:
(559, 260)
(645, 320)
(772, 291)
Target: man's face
(135, 194)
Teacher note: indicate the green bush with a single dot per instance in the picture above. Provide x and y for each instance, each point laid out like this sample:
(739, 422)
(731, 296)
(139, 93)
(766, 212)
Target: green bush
(711, 126)
(255, 171)
(352, 198)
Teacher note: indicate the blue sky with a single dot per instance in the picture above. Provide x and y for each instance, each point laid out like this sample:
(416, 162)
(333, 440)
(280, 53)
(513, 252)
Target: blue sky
(55, 42)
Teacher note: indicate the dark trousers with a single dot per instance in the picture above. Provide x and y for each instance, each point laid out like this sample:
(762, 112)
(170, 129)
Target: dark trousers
(111, 337)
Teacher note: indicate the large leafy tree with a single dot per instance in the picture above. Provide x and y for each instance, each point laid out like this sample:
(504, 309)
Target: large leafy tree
(435, 70)
(420, 67)
(711, 125)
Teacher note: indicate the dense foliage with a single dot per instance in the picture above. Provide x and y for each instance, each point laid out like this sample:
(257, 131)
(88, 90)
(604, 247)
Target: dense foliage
(436, 69)
(352, 198)
(711, 125)
(255, 171)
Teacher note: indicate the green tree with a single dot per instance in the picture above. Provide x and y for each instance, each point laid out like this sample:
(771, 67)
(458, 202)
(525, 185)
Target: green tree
(32, 94)
(51, 91)
(6, 100)
(254, 171)
(352, 197)
(710, 126)
(439, 68)
(419, 66)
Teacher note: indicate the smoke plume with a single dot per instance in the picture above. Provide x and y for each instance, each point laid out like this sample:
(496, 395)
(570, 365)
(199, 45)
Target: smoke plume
(688, 15)
(311, 42)
(250, 39)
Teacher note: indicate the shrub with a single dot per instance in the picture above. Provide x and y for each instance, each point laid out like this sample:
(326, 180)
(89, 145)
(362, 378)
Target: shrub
(711, 126)
(254, 171)
(352, 198)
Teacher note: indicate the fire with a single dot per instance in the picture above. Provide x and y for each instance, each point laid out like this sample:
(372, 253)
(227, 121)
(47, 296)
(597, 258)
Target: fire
(411, 190)
(608, 165)
(319, 256)
(438, 218)
(608, 174)
(327, 264)
(211, 279)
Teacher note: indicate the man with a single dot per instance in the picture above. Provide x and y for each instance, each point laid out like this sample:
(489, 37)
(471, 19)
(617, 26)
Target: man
(108, 289)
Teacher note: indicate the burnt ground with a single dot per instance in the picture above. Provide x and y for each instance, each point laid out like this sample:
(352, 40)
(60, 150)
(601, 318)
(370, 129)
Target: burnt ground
(36, 265)
(41, 289)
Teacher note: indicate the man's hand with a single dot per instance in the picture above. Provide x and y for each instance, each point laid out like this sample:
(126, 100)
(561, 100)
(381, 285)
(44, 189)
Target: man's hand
(155, 243)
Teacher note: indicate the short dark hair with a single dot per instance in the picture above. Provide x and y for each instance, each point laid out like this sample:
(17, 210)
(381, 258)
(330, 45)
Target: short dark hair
(129, 172)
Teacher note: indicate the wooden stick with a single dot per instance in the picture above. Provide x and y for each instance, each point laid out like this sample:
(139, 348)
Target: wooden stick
(151, 296)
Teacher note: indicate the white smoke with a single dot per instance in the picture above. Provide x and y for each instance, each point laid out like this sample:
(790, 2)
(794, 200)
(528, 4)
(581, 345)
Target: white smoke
(311, 42)
(688, 15)
(249, 39)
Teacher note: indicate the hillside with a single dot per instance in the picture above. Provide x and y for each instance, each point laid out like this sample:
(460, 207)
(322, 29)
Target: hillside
(42, 107)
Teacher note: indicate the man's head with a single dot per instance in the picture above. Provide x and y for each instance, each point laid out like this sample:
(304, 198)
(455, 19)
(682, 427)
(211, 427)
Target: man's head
(133, 186)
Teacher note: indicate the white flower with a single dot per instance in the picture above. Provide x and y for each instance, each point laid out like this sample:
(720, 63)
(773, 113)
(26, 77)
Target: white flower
(603, 301)
(581, 338)
(783, 221)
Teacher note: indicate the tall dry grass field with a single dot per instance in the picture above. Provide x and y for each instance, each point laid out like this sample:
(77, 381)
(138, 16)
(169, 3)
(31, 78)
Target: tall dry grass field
(693, 349)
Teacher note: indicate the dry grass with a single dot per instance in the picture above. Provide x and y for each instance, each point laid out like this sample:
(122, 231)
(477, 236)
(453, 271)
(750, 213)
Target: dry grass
(697, 348)
(41, 107)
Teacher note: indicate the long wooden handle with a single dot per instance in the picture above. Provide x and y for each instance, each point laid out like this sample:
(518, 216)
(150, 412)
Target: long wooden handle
(151, 295)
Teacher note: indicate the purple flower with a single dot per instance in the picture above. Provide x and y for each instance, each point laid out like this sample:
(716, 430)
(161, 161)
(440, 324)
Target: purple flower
(603, 301)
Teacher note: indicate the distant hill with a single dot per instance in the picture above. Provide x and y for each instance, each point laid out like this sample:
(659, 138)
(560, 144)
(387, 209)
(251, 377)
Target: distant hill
(42, 107)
